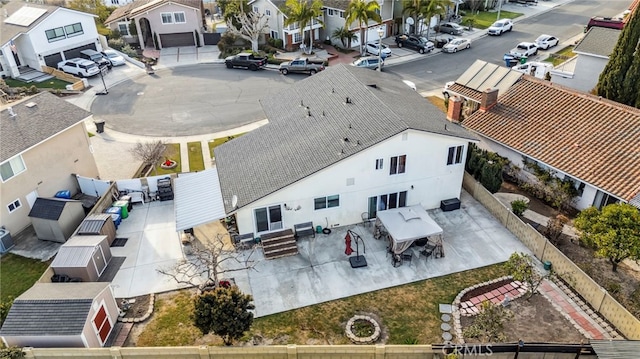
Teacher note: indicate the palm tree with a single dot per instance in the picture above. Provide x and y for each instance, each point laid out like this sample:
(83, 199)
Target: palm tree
(362, 11)
(424, 10)
(345, 36)
(303, 12)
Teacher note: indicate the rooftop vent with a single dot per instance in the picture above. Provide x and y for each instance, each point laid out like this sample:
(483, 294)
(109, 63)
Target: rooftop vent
(31, 104)
(11, 113)
(346, 139)
(301, 103)
(373, 85)
(348, 100)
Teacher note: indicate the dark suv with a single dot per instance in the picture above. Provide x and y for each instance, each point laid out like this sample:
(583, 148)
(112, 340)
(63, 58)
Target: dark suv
(96, 57)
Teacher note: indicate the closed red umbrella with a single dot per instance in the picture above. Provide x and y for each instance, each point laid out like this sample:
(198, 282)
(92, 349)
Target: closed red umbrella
(347, 241)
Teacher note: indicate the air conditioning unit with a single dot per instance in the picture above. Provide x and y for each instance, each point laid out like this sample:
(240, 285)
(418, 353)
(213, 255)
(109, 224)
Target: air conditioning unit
(6, 242)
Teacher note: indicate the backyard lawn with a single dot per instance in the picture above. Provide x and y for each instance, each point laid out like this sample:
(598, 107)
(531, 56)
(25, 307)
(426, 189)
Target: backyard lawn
(408, 312)
(17, 274)
(53, 83)
(484, 19)
(196, 161)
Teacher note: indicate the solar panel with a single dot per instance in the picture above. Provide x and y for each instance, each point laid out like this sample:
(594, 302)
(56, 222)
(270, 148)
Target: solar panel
(25, 16)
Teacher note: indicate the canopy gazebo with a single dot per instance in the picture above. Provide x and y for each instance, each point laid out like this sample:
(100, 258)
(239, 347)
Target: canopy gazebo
(406, 225)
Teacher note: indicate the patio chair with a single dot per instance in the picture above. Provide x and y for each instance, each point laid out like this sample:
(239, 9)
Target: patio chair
(396, 260)
(365, 219)
(428, 250)
(407, 257)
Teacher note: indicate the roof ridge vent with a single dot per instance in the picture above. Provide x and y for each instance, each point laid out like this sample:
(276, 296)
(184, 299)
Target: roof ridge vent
(11, 112)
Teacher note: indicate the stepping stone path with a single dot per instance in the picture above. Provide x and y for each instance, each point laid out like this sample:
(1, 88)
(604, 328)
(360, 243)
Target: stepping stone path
(472, 306)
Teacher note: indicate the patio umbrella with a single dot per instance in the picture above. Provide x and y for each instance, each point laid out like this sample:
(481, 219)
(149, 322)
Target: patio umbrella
(347, 242)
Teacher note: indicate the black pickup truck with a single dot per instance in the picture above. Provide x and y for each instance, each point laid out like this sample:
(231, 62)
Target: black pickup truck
(246, 60)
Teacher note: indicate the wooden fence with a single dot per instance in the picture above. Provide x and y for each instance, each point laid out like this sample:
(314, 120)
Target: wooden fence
(76, 83)
(544, 250)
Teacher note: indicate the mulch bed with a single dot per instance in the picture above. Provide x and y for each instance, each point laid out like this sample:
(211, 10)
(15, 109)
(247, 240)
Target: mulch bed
(136, 309)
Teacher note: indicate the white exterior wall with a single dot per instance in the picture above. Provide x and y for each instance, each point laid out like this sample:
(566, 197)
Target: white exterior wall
(426, 171)
(63, 17)
(586, 73)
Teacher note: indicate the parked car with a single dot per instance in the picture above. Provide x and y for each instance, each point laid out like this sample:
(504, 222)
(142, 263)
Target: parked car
(96, 57)
(246, 60)
(524, 49)
(440, 41)
(369, 62)
(546, 41)
(456, 45)
(420, 44)
(450, 28)
(79, 67)
(114, 57)
(372, 48)
(500, 27)
(301, 65)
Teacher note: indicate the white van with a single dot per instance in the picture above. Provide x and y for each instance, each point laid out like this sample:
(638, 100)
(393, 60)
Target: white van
(536, 69)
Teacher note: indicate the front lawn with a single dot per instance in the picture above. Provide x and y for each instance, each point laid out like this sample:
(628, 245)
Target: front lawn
(409, 313)
(218, 141)
(196, 161)
(484, 19)
(53, 83)
(17, 274)
(561, 56)
(173, 153)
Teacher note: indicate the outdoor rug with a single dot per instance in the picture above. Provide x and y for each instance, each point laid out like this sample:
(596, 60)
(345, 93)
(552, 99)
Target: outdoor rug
(119, 242)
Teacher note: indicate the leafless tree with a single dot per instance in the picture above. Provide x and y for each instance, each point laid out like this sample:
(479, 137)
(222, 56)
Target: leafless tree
(252, 24)
(149, 153)
(207, 261)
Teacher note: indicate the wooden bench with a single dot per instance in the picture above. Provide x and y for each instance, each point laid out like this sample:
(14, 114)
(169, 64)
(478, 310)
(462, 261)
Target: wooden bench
(244, 241)
(304, 229)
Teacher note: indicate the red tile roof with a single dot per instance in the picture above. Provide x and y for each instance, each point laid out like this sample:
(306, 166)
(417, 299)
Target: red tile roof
(592, 139)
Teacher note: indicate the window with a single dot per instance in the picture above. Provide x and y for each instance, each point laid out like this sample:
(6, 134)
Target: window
(455, 155)
(11, 168)
(167, 18)
(342, 14)
(274, 34)
(379, 164)
(14, 205)
(256, 9)
(398, 164)
(330, 12)
(326, 202)
(74, 30)
(123, 27)
(267, 12)
(386, 201)
(268, 218)
(297, 37)
(55, 34)
(179, 17)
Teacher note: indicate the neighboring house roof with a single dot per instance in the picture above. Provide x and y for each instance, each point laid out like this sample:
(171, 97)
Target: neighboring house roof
(138, 6)
(34, 124)
(336, 4)
(481, 76)
(48, 208)
(592, 139)
(52, 309)
(598, 41)
(295, 145)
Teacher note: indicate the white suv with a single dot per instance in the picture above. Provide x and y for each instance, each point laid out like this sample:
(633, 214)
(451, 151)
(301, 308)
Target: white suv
(501, 26)
(79, 67)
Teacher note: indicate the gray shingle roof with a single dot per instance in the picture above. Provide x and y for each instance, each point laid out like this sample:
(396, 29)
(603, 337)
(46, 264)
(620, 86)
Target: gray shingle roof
(295, 145)
(598, 41)
(32, 125)
(48, 208)
(9, 31)
(132, 8)
(51, 309)
(336, 4)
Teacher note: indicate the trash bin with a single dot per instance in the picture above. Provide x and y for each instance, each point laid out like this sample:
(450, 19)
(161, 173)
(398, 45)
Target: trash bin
(547, 265)
(318, 229)
(99, 126)
(523, 60)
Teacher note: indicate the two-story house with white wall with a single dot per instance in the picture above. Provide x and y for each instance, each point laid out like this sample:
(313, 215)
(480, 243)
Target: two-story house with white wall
(160, 23)
(339, 144)
(335, 18)
(35, 35)
(44, 143)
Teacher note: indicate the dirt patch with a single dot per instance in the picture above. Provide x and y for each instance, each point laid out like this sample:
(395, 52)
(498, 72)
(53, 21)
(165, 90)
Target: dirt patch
(136, 307)
(535, 320)
(535, 204)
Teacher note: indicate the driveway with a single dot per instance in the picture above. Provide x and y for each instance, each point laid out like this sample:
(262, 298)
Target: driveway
(188, 100)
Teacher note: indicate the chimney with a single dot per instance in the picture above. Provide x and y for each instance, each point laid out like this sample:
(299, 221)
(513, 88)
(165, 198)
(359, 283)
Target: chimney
(455, 109)
(489, 99)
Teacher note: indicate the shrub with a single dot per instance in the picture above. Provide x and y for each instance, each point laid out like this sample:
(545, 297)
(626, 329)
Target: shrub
(613, 287)
(115, 34)
(129, 51)
(519, 206)
(116, 44)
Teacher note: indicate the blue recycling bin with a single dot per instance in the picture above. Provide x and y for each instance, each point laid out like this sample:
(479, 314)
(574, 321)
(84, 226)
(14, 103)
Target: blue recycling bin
(510, 60)
(63, 194)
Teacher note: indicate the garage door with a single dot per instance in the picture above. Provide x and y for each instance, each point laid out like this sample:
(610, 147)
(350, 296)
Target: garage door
(372, 35)
(179, 39)
(52, 60)
(75, 52)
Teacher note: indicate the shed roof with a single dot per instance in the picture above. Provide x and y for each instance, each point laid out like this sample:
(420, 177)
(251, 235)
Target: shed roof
(49, 208)
(77, 251)
(93, 223)
(193, 193)
(598, 41)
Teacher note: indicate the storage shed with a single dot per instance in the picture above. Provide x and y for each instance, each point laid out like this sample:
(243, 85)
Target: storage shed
(56, 219)
(83, 257)
(98, 224)
(61, 315)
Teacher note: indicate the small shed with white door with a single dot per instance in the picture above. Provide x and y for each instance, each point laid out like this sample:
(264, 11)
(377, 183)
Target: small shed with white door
(83, 257)
(55, 219)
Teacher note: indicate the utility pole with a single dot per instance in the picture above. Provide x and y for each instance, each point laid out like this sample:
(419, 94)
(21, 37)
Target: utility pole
(499, 8)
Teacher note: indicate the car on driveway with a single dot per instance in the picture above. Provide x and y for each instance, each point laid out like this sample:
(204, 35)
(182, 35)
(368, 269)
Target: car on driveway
(456, 45)
(420, 44)
(524, 49)
(115, 58)
(372, 48)
(500, 27)
(450, 28)
(369, 62)
(96, 57)
(79, 67)
(546, 41)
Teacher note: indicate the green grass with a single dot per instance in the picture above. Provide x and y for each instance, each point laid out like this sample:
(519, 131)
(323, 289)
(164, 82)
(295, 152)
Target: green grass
(561, 56)
(418, 320)
(173, 153)
(17, 274)
(196, 161)
(52, 83)
(484, 19)
(218, 141)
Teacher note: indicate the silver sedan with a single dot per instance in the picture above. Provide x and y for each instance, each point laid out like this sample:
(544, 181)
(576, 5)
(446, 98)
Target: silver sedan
(456, 44)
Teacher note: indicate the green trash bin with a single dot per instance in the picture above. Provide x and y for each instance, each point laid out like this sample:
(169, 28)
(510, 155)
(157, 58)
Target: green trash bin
(124, 205)
(547, 265)
(523, 60)
(318, 229)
